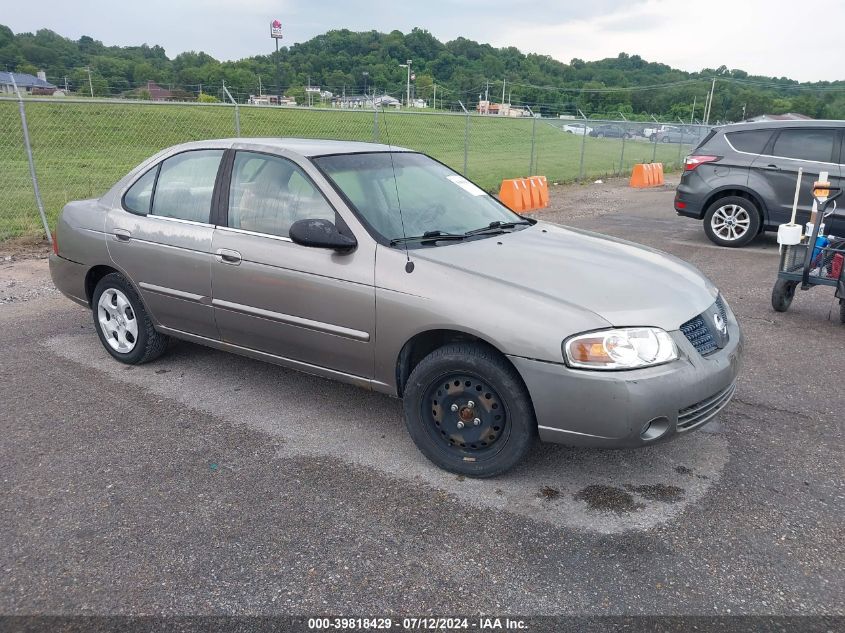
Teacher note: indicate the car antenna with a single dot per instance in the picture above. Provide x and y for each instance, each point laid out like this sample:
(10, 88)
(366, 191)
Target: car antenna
(409, 265)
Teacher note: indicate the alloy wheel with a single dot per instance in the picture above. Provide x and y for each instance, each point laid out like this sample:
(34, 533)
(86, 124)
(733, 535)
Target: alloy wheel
(730, 222)
(117, 320)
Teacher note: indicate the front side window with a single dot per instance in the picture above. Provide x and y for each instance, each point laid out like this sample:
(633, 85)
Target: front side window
(430, 195)
(806, 144)
(138, 197)
(186, 184)
(269, 193)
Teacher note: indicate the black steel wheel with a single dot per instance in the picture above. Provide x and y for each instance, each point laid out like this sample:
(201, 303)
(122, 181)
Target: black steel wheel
(782, 294)
(468, 411)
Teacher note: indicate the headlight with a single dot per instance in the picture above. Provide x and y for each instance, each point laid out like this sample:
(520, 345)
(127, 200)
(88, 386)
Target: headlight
(623, 348)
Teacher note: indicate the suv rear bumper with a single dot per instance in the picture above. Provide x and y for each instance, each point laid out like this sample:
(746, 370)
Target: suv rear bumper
(688, 201)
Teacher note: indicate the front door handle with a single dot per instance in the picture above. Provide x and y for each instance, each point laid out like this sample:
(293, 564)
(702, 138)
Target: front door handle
(122, 235)
(228, 256)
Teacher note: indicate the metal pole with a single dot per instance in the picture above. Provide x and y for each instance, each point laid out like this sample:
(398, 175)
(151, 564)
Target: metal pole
(710, 102)
(583, 144)
(32, 175)
(654, 149)
(533, 142)
(375, 120)
(466, 137)
(90, 85)
(237, 112)
(622, 157)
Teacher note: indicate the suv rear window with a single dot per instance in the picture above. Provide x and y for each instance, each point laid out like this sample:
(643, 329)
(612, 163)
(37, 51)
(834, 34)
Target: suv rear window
(751, 141)
(807, 144)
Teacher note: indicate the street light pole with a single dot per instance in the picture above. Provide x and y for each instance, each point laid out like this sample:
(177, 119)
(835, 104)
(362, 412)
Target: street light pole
(408, 89)
(366, 77)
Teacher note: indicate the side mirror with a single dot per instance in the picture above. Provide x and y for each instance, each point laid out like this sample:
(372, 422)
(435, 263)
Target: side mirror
(320, 234)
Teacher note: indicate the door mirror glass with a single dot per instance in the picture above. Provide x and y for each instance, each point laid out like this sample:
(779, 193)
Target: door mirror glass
(320, 234)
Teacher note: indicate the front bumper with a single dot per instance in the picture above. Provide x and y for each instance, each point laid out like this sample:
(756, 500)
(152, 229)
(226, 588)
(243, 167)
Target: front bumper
(610, 409)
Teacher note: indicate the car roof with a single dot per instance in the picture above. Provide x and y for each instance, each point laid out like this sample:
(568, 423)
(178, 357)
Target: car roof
(302, 146)
(768, 125)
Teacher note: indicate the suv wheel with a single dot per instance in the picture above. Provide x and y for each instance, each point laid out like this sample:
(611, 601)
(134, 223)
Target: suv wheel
(468, 411)
(122, 323)
(732, 221)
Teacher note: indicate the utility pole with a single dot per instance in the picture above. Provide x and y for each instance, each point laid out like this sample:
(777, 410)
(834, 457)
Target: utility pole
(504, 81)
(259, 85)
(435, 97)
(710, 102)
(487, 90)
(692, 115)
(90, 85)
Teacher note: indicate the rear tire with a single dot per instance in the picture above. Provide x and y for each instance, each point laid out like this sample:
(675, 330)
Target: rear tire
(782, 294)
(468, 411)
(122, 323)
(665, 139)
(732, 221)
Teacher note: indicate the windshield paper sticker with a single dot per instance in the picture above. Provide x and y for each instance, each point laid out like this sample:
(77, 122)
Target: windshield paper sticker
(466, 185)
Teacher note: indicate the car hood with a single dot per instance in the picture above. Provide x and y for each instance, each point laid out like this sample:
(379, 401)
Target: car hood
(623, 283)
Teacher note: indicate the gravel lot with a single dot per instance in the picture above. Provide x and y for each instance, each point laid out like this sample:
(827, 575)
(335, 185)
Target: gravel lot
(206, 483)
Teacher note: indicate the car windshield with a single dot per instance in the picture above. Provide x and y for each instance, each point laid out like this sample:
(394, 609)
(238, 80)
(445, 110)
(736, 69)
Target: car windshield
(434, 200)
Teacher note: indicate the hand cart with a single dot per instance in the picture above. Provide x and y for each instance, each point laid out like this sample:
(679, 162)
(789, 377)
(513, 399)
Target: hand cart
(816, 260)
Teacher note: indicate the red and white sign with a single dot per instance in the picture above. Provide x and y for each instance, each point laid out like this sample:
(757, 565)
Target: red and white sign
(276, 29)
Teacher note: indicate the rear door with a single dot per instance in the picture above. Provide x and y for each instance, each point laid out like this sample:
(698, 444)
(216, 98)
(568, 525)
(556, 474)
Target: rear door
(811, 149)
(310, 305)
(161, 237)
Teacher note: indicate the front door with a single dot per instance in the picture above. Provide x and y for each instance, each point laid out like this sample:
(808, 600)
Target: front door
(810, 149)
(314, 306)
(161, 237)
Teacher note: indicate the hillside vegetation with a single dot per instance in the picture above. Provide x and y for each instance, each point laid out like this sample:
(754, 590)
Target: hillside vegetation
(337, 61)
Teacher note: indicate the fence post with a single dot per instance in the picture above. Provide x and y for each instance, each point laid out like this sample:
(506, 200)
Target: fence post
(622, 156)
(466, 143)
(32, 174)
(654, 148)
(680, 145)
(375, 122)
(533, 141)
(583, 143)
(237, 112)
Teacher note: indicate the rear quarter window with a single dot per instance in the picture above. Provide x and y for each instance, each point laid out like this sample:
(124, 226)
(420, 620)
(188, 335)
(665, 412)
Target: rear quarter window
(806, 144)
(751, 141)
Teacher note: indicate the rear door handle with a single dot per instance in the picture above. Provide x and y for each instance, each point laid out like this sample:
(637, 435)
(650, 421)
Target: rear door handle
(122, 235)
(772, 167)
(227, 256)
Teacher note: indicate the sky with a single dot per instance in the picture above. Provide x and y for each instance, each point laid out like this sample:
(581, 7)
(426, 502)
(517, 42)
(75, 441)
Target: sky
(763, 37)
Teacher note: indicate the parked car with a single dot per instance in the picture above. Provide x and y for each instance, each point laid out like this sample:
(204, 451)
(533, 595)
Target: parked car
(577, 128)
(672, 134)
(612, 130)
(741, 179)
(493, 328)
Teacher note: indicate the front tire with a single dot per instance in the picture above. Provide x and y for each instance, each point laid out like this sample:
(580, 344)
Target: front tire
(782, 294)
(468, 411)
(122, 323)
(732, 221)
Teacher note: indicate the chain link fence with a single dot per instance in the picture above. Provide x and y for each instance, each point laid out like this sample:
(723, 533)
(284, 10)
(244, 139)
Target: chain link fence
(80, 148)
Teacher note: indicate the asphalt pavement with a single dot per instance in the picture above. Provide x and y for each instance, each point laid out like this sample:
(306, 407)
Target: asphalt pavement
(207, 483)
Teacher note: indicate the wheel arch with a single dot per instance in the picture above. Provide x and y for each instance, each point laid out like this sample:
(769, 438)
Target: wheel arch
(424, 343)
(741, 192)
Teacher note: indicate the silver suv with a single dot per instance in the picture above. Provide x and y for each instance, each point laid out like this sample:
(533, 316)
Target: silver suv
(741, 179)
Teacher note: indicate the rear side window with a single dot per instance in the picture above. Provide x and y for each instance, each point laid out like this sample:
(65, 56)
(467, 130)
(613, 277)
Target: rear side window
(751, 141)
(185, 185)
(807, 144)
(138, 198)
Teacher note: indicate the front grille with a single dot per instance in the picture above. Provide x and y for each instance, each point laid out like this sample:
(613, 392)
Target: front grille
(699, 333)
(702, 412)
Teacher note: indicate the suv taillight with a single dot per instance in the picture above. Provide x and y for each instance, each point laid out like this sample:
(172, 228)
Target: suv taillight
(691, 162)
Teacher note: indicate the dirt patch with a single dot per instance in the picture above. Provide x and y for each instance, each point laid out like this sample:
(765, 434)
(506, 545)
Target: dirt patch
(608, 499)
(24, 280)
(658, 492)
(20, 248)
(547, 492)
